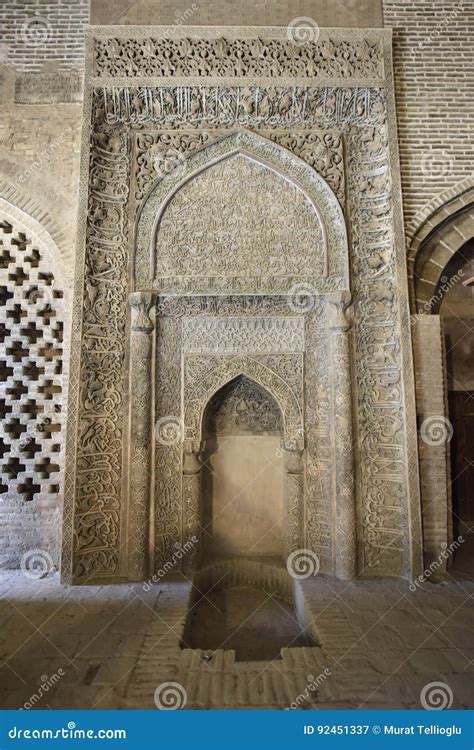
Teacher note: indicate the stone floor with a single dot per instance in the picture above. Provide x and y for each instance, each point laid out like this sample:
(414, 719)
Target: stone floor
(114, 646)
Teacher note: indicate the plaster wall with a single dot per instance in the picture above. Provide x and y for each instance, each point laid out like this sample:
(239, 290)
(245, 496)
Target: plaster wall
(244, 498)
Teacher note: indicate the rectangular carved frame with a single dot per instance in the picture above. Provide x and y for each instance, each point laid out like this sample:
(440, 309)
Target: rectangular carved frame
(353, 95)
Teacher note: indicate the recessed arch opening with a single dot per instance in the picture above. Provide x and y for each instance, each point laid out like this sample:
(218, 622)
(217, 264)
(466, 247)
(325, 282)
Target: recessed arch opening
(442, 273)
(456, 310)
(242, 478)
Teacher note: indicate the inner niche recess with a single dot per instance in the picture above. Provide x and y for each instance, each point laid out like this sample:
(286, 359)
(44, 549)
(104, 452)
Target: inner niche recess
(242, 478)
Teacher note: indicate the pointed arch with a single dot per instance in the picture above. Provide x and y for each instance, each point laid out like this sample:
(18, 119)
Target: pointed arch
(220, 371)
(266, 417)
(279, 161)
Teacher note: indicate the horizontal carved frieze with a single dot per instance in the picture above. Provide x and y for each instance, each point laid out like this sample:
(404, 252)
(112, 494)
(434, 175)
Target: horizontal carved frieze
(259, 305)
(249, 106)
(234, 58)
(243, 335)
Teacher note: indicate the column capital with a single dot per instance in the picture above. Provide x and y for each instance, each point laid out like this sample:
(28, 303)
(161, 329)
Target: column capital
(191, 454)
(192, 446)
(294, 451)
(339, 318)
(141, 303)
(293, 444)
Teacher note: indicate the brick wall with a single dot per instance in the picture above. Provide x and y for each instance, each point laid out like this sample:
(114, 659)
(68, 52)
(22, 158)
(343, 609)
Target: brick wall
(41, 63)
(435, 106)
(39, 157)
(34, 32)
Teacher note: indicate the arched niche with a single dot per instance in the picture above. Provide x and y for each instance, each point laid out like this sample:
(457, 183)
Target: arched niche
(193, 217)
(275, 365)
(220, 375)
(440, 261)
(203, 383)
(436, 240)
(242, 474)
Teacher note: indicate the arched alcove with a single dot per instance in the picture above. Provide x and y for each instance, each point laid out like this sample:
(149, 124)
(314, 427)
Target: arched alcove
(226, 246)
(456, 310)
(242, 481)
(441, 267)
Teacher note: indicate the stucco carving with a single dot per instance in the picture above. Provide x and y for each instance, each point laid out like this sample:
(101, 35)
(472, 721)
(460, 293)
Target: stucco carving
(382, 454)
(329, 272)
(294, 496)
(141, 411)
(169, 484)
(244, 334)
(319, 512)
(345, 551)
(208, 228)
(250, 106)
(277, 381)
(104, 314)
(242, 407)
(359, 122)
(262, 57)
(280, 374)
(321, 150)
